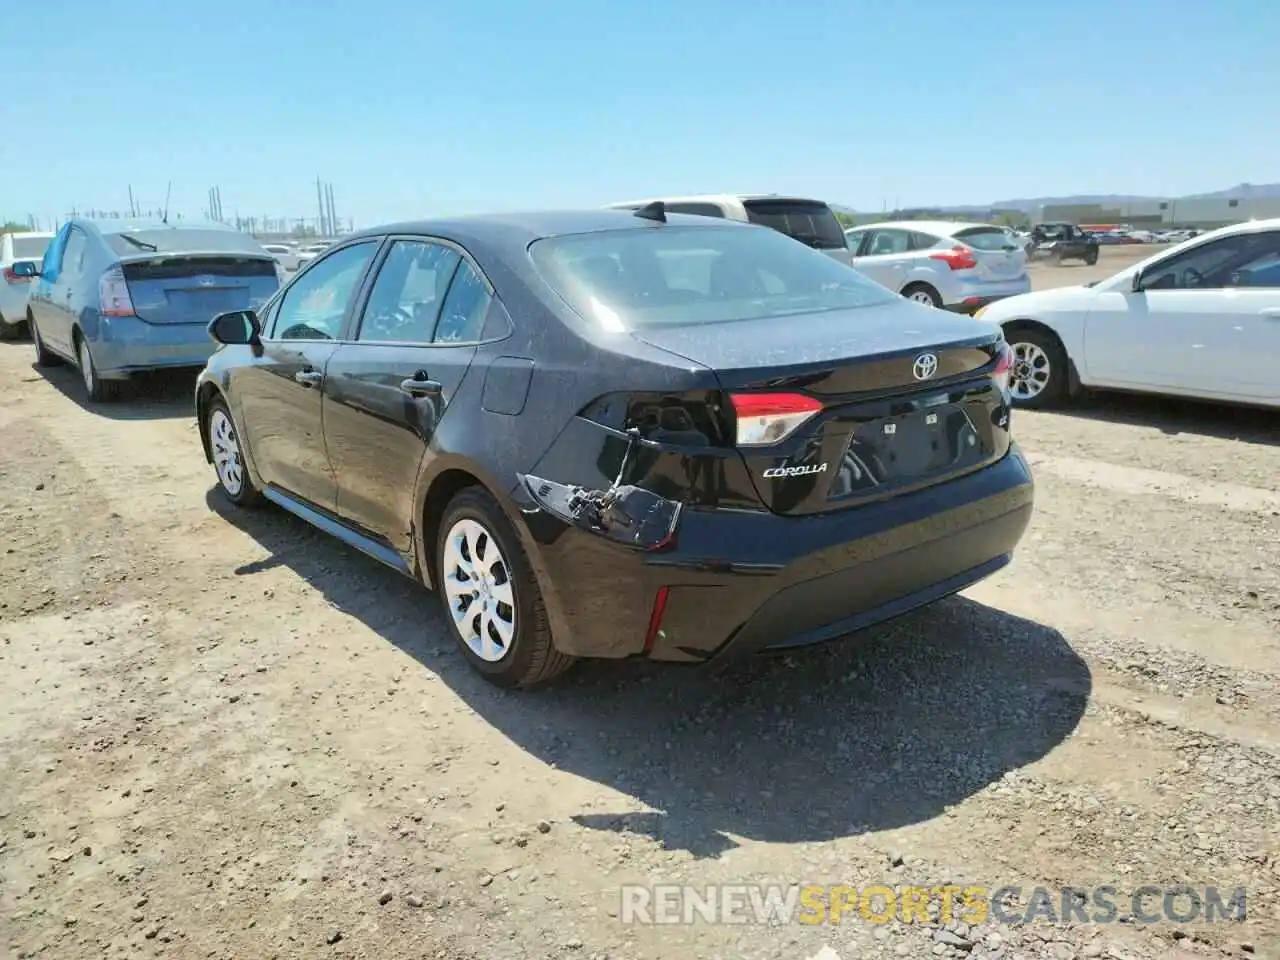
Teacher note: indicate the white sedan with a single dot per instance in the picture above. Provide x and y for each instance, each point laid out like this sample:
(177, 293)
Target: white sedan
(1201, 319)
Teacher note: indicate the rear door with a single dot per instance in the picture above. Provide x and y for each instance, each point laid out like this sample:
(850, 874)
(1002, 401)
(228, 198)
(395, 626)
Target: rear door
(809, 221)
(885, 256)
(281, 392)
(388, 389)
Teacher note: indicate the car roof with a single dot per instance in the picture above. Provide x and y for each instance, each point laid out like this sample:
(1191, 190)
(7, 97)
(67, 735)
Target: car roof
(127, 225)
(946, 228)
(716, 198)
(521, 229)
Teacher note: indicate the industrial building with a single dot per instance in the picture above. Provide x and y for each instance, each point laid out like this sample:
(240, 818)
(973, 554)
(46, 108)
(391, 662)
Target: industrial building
(1202, 213)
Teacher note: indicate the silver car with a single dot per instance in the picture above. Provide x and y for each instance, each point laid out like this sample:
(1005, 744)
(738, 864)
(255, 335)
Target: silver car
(954, 266)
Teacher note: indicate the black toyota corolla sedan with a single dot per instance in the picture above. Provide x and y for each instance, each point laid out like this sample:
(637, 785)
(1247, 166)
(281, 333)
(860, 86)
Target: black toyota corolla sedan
(623, 434)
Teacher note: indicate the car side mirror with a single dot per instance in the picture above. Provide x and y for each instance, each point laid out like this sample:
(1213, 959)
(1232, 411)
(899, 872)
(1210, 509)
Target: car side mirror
(26, 269)
(236, 328)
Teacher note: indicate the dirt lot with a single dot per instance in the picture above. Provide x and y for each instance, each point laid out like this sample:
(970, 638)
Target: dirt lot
(226, 735)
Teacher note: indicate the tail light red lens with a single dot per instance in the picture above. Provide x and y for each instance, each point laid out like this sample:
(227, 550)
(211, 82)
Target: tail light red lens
(11, 277)
(114, 299)
(1003, 370)
(957, 258)
(768, 418)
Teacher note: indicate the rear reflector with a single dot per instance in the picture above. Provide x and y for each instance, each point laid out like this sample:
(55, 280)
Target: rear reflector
(655, 618)
(1004, 366)
(113, 294)
(767, 418)
(957, 258)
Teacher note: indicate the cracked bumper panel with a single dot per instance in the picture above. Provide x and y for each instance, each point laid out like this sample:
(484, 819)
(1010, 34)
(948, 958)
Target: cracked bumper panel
(739, 581)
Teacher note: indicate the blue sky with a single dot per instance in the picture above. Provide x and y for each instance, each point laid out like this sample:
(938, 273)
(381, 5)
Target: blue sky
(429, 107)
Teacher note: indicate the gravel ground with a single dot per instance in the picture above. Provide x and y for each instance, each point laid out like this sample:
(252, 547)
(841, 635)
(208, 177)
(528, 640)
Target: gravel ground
(226, 735)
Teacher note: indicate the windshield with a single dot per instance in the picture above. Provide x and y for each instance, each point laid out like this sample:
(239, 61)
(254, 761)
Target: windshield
(164, 240)
(809, 221)
(649, 277)
(30, 248)
(986, 238)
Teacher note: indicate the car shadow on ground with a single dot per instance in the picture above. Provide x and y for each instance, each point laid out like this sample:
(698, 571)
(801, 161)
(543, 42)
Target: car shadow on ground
(883, 730)
(153, 396)
(1175, 415)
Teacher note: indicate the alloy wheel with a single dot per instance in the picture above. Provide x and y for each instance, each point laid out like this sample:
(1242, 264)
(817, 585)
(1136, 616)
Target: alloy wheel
(1031, 371)
(477, 586)
(226, 452)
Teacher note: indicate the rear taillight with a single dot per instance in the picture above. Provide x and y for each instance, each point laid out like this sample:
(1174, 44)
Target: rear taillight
(1004, 367)
(957, 258)
(11, 277)
(766, 418)
(113, 294)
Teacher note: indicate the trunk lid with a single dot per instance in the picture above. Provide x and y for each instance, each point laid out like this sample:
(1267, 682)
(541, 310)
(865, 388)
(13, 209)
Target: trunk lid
(999, 258)
(892, 419)
(193, 288)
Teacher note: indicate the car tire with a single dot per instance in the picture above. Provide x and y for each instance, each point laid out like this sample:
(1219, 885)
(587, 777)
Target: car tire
(234, 482)
(44, 357)
(1091, 258)
(507, 641)
(922, 293)
(99, 390)
(11, 331)
(1039, 360)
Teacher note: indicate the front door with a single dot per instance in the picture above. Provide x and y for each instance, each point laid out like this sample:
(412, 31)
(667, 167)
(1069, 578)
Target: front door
(1207, 321)
(883, 256)
(281, 393)
(388, 389)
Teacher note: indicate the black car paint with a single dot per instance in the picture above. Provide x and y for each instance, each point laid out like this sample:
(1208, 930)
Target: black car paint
(521, 404)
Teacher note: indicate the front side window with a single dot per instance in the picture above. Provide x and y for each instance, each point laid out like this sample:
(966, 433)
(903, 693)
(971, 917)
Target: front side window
(73, 253)
(1246, 259)
(923, 241)
(637, 278)
(408, 293)
(315, 305)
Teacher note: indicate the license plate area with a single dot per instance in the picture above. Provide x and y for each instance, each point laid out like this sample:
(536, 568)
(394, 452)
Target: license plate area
(909, 448)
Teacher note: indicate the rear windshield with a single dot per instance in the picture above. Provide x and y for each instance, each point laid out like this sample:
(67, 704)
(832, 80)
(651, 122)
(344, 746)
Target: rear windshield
(986, 238)
(810, 222)
(651, 277)
(178, 240)
(29, 248)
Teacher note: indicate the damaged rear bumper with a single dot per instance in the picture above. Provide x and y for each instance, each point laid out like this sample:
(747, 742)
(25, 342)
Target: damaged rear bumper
(735, 581)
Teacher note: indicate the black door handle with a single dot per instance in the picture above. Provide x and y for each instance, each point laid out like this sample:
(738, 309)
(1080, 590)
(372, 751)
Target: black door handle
(421, 387)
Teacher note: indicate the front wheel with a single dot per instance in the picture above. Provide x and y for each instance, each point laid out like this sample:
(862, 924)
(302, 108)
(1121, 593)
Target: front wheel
(1091, 257)
(1039, 375)
(44, 356)
(495, 608)
(228, 459)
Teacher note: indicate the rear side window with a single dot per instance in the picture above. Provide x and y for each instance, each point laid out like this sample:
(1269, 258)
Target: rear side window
(29, 248)
(179, 240)
(406, 296)
(923, 241)
(462, 318)
(888, 242)
(637, 278)
(985, 238)
(73, 253)
(809, 221)
(697, 209)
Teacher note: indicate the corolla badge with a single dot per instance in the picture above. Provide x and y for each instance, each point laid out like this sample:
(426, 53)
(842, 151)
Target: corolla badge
(926, 366)
(784, 471)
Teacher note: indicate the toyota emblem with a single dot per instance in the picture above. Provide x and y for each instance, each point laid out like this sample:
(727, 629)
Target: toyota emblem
(926, 366)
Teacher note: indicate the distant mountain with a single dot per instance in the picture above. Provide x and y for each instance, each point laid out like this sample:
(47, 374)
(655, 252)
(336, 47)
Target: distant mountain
(1030, 205)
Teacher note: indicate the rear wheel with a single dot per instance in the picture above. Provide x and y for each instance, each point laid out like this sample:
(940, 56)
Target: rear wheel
(1091, 257)
(228, 459)
(496, 611)
(1039, 375)
(10, 331)
(922, 293)
(44, 358)
(99, 390)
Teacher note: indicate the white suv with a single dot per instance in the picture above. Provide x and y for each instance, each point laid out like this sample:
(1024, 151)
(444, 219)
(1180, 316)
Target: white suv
(809, 221)
(14, 290)
(955, 266)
